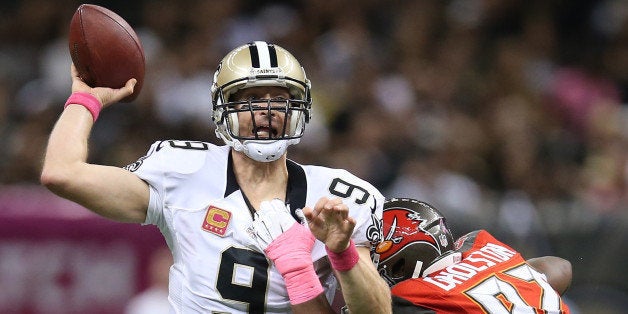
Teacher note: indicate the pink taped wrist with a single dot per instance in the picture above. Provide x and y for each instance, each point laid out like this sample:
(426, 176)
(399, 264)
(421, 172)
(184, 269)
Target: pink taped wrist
(303, 285)
(292, 254)
(344, 260)
(86, 100)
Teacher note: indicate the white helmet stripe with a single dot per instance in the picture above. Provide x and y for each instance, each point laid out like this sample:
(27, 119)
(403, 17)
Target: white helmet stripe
(264, 54)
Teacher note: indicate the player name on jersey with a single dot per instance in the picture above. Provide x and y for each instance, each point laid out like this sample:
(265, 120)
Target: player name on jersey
(476, 262)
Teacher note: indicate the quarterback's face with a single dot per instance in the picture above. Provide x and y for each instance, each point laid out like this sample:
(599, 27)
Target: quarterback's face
(264, 114)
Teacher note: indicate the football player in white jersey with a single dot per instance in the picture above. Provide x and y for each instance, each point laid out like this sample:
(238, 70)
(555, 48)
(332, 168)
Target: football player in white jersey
(229, 213)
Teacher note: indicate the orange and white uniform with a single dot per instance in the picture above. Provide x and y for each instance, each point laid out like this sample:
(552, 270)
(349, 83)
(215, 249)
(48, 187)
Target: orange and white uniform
(490, 278)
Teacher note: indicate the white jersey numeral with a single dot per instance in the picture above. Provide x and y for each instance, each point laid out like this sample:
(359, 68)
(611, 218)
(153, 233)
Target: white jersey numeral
(493, 293)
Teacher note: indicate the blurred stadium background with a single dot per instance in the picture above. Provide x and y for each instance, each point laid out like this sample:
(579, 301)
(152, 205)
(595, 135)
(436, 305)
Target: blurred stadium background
(510, 115)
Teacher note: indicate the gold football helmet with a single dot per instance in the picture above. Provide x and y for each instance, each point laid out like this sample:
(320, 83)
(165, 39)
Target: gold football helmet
(260, 64)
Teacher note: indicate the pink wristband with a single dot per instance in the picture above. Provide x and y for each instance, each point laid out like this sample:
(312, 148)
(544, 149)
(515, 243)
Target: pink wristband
(86, 100)
(344, 260)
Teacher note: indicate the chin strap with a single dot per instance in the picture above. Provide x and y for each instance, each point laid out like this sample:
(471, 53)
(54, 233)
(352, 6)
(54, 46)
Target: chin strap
(264, 151)
(447, 260)
(258, 150)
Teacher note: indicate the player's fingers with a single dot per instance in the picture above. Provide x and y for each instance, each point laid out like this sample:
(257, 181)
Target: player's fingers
(335, 201)
(336, 212)
(73, 71)
(120, 93)
(307, 211)
(341, 208)
(130, 85)
(311, 217)
(351, 220)
(127, 89)
(329, 214)
(320, 204)
(350, 223)
(330, 203)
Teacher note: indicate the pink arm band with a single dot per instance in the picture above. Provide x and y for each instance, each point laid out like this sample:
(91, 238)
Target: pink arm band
(344, 260)
(86, 100)
(291, 253)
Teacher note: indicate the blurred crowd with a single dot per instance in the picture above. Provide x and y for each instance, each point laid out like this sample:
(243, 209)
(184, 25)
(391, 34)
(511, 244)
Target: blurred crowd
(510, 115)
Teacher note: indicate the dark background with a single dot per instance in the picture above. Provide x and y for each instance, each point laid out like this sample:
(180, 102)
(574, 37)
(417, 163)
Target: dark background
(508, 115)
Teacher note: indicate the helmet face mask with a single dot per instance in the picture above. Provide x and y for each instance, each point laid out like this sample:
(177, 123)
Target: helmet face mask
(292, 111)
(260, 64)
(416, 236)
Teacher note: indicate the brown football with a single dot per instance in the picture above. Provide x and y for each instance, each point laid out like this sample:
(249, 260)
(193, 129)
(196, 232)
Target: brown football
(105, 49)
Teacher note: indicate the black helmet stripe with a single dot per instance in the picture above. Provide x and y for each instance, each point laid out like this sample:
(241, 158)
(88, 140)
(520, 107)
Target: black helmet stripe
(263, 55)
(254, 55)
(272, 53)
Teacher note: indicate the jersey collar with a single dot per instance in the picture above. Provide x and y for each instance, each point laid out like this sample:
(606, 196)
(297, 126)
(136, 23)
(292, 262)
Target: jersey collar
(296, 192)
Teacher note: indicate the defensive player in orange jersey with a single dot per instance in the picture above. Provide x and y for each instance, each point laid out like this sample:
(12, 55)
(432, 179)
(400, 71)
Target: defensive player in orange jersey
(430, 273)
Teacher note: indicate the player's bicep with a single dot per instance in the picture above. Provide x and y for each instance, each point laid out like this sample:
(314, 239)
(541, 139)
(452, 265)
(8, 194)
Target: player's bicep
(111, 192)
(557, 271)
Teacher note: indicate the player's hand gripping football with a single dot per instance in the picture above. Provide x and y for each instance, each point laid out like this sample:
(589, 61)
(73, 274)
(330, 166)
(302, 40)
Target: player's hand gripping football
(105, 95)
(329, 221)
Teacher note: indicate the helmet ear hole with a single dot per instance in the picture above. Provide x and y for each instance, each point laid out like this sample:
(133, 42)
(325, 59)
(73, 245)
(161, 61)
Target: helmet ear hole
(397, 270)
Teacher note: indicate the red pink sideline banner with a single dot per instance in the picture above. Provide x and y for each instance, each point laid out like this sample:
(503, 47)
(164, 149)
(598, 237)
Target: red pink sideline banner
(58, 257)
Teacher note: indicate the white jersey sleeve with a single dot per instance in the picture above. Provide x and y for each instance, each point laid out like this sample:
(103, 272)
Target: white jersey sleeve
(365, 202)
(177, 173)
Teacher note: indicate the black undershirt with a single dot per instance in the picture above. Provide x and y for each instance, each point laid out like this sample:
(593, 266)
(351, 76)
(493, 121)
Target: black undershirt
(296, 190)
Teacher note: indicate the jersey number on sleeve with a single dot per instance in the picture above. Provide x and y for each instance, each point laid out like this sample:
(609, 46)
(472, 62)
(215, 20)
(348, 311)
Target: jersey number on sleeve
(344, 189)
(492, 292)
(195, 145)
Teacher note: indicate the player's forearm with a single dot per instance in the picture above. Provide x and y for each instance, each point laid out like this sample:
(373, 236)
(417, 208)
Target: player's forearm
(108, 191)
(363, 289)
(316, 305)
(66, 152)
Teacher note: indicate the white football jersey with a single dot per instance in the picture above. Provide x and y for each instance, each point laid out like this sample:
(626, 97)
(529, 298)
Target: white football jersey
(198, 206)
